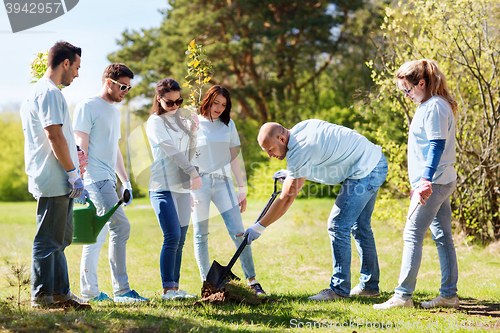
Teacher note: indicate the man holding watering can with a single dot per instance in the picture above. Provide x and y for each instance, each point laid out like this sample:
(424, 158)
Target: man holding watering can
(50, 158)
(97, 130)
(330, 154)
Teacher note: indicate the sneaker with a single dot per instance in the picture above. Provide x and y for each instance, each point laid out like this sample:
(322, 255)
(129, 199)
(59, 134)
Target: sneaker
(257, 289)
(101, 298)
(394, 302)
(131, 296)
(326, 295)
(184, 294)
(41, 304)
(72, 304)
(170, 294)
(78, 299)
(357, 291)
(441, 302)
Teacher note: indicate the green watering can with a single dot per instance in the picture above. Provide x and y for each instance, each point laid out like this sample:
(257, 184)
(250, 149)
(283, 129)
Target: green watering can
(87, 224)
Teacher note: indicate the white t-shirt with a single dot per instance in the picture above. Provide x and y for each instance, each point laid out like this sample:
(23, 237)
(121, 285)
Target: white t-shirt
(433, 120)
(101, 121)
(165, 174)
(44, 107)
(212, 146)
(328, 153)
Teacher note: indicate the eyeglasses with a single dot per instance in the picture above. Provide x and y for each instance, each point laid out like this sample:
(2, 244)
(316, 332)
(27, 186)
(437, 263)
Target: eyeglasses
(170, 103)
(408, 91)
(123, 87)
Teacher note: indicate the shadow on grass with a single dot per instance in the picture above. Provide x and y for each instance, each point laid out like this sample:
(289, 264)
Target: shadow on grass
(476, 307)
(108, 318)
(471, 306)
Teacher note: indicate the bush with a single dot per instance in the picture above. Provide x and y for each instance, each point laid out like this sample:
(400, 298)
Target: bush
(13, 180)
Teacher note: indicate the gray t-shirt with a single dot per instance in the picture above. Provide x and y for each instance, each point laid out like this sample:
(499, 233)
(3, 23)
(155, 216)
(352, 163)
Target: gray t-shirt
(101, 121)
(44, 107)
(328, 153)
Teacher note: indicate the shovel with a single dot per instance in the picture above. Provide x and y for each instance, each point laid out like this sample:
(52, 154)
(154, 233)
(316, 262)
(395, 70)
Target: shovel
(220, 275)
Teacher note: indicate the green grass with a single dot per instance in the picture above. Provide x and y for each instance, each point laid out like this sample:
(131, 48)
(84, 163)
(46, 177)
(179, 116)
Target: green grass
(293, 261)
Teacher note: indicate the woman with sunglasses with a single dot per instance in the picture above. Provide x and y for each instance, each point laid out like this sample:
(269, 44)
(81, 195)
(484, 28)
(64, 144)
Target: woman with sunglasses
(431, 154)
(172, 139)
(216, 156)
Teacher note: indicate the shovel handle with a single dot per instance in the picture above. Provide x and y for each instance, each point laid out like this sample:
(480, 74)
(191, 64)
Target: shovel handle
(245, 240)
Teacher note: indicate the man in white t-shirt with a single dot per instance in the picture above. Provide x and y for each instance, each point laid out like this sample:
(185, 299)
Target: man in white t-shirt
(51, 159)
(96, 122)
(330, 154)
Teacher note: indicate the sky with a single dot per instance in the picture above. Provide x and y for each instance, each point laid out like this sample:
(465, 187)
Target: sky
(93, 25)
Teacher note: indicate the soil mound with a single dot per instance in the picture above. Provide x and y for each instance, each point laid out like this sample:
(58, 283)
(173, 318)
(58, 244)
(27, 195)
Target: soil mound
(232, 292)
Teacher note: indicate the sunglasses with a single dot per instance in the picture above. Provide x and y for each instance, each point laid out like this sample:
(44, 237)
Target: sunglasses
(408, 91)
(123, 87)
(170, 103)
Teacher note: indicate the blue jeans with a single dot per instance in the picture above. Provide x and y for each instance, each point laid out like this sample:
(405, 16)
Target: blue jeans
(49, 269)
(352, 214)
(220, 190)
(173, 211)
(103, 195)
(436, 215)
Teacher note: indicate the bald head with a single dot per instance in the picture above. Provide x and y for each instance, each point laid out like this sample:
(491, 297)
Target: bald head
(273, 138)
(270, 130)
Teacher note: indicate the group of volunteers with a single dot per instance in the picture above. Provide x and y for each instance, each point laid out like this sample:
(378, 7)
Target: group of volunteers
(194, 158)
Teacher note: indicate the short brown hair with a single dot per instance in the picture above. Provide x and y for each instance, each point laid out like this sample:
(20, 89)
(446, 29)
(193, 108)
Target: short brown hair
(116, 71)
(62, 51)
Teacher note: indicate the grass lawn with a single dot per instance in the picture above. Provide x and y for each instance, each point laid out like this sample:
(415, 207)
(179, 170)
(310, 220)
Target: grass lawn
(293, 261)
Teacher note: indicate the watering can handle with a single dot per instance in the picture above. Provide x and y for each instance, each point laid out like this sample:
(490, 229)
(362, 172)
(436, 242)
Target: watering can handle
(125, 197)
(91, 204)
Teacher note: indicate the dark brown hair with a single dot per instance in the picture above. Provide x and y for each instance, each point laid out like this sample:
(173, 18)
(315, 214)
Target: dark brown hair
(62, 51)
(164, 86)
(116, 71)
(208, 100)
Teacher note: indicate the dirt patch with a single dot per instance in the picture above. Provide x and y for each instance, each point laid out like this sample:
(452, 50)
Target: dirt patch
(233, 292)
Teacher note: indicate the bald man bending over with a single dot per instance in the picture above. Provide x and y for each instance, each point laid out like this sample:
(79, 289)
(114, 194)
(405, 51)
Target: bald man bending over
(330, 154)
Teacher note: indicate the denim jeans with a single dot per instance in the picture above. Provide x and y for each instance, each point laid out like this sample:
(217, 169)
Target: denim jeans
(352, 214)
(436, 215)
(220, 190)
(49, 269)
(103, 195)
(173, 211)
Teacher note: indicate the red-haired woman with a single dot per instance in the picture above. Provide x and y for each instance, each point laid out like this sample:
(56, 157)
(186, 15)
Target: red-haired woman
(216, 156)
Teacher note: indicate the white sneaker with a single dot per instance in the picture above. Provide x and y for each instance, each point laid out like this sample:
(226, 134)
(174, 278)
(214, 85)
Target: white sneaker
(394, 302)
(357, 291)
(441, 302)
(184, 294)
(326, 295)
(177, 294)
(171, 294)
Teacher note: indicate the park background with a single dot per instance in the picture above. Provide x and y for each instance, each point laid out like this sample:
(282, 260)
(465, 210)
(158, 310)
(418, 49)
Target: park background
(287, 61)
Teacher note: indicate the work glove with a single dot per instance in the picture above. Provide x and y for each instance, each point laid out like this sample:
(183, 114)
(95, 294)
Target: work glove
(254, 232)
(75, 184)
(281, 175)
(127, 186)
(82, 200)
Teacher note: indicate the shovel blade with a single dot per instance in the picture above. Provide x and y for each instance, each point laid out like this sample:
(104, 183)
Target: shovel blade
(216, 275)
